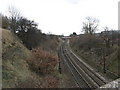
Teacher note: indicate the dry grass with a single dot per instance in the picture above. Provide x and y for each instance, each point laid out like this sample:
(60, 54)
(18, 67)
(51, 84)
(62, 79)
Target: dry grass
(14, 66)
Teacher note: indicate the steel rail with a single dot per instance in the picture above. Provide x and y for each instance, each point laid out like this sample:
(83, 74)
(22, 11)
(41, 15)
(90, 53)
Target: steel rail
(77, 75)
(80, 70)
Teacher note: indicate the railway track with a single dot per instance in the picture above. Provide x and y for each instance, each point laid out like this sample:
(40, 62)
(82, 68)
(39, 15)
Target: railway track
(84, 76)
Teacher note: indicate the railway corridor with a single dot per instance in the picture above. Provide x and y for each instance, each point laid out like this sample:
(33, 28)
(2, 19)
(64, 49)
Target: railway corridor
(84, 75)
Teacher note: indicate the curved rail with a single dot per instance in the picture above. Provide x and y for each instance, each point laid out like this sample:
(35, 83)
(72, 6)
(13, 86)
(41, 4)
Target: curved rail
(85, 77)
(81, 82)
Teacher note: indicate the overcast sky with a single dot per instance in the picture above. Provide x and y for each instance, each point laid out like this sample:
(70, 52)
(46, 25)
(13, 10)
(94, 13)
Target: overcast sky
(65, 16)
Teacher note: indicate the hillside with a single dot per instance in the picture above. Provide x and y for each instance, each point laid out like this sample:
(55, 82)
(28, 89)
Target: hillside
(16, 72)
(97, 56)
(21, 67)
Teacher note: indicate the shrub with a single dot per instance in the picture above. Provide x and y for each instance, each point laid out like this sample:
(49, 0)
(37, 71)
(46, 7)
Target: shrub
(50, 82)
(42, 61)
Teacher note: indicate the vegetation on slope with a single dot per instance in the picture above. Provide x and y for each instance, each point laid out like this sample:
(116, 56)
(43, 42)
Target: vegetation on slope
(14, 56)
(100, 50)
(17, 63)
(93, 50)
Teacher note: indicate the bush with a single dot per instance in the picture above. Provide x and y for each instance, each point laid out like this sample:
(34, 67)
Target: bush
(50, 82)
(42, 61)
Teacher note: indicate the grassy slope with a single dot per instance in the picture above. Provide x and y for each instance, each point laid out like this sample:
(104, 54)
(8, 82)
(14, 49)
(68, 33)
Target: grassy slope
(94, 61)
(97, 63)
(14, 65)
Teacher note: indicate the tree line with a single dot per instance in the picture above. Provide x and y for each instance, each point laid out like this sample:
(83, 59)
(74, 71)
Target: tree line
(27, 30)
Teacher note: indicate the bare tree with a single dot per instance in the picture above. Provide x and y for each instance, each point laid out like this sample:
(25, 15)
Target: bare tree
(14, 13)
(14, 17)
(90, 26)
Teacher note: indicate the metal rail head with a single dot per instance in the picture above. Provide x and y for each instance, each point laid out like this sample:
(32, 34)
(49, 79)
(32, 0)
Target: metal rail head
(65, 52)
(88, 67)
(77, 75)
